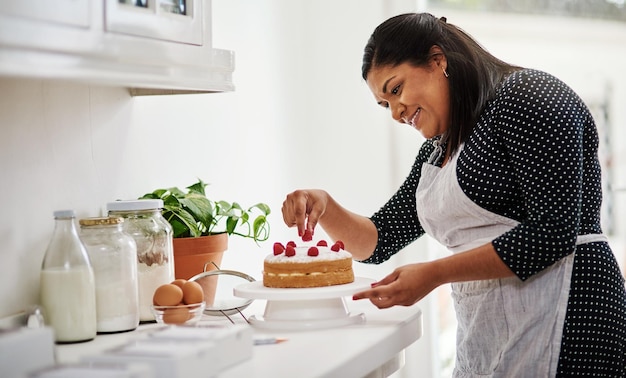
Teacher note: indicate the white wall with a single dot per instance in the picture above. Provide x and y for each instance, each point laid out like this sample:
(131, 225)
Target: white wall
(67, 145)
(300, 117)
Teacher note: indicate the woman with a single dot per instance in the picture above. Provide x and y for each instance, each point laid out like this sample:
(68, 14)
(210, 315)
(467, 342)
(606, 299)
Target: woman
(509, 181)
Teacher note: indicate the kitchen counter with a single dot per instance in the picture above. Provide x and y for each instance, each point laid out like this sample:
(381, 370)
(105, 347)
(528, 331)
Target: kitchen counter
(373, 348)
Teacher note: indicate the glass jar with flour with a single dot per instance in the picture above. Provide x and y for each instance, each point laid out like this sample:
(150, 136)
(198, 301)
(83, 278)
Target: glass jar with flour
(143, 220)
(113, 256)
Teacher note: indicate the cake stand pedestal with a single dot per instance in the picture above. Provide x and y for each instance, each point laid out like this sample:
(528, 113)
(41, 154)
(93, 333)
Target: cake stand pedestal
(304, 308)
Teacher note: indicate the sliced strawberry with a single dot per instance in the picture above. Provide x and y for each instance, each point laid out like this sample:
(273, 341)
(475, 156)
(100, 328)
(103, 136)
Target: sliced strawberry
(290, 251)
(322, 243)
(291, 243)
(278, 248)
(313, 251)
(340, 244)
(335, 247)
(308, 236)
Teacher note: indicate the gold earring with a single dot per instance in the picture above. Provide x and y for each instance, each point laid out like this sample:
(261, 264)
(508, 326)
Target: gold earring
(444, 72)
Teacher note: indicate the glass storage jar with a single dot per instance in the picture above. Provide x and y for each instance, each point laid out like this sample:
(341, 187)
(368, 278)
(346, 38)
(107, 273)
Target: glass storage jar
(113, 257)
(143, 220)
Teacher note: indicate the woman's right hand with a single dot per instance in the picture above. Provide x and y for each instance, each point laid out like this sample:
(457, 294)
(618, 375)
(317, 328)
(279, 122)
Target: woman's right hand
(304, 208)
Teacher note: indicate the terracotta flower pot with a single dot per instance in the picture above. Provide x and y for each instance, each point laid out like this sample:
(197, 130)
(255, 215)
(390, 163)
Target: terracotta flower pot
(196, 255)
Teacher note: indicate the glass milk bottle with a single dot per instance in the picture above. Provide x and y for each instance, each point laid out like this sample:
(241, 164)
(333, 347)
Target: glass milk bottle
(113, 256)
(143, 220)
(68, 291)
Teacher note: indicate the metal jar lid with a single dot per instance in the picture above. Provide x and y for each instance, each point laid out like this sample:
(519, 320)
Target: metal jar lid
(60, 214)
(135, 205)
(100, 221)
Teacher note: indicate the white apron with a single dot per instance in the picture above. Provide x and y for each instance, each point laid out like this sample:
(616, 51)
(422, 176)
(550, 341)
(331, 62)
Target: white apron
(506, 327)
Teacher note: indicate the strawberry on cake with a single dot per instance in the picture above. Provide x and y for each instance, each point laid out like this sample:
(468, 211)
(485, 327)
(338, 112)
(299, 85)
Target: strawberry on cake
(307, 265)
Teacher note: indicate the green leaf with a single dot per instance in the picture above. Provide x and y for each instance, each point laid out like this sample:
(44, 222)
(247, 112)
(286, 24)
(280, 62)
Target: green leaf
(182, 217)
(200, 207)
(176, 192)
(198, 187)
(231, 224)
(261, 228)
(261, 206)
(192, 213)
(223, 208)
(179, 229)
(157, 194)
(171, 202)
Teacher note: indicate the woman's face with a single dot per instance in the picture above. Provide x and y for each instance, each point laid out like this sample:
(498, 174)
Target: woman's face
(417, 96)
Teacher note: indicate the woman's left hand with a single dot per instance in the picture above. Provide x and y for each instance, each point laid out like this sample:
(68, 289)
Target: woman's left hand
(405, 286)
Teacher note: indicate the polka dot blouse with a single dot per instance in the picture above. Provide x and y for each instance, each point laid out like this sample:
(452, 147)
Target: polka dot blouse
(532, 157)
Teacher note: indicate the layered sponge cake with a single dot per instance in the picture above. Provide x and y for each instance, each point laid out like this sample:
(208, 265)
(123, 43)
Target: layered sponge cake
(307, 265)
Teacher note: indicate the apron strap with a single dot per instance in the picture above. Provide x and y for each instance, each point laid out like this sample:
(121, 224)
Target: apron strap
(590, 238)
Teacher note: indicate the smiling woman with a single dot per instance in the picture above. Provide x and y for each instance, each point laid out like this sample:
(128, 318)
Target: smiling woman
(424, 60)
(509, 181)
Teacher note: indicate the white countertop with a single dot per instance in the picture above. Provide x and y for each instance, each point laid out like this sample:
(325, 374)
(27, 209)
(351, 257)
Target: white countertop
(374, 347)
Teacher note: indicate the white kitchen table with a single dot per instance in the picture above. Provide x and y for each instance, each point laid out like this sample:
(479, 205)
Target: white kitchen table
(372, 348)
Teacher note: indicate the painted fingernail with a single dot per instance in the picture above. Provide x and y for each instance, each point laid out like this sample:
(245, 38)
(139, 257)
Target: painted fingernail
(354, 298)
(374, 284)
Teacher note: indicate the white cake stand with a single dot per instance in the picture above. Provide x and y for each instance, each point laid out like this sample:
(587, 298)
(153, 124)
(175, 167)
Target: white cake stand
(305, 308)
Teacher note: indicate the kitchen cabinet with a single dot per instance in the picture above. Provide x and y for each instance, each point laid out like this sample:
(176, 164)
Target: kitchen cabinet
(66, 12)
(169, 20)
(149, 46)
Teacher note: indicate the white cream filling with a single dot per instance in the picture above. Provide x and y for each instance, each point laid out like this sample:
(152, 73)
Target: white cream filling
(294, 274)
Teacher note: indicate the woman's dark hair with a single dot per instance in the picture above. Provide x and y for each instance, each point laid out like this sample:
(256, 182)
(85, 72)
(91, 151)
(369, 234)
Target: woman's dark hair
(474, 73)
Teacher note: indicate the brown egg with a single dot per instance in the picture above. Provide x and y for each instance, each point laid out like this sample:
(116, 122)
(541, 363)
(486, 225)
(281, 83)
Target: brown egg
(192, 292)
(167, 295)
(179, 282)
(176, 315)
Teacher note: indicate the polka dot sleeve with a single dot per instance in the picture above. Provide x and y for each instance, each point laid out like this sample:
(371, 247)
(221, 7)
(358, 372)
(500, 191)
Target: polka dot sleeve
(540, 123)
(397, 221)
